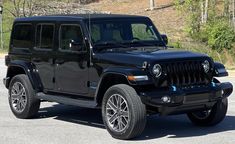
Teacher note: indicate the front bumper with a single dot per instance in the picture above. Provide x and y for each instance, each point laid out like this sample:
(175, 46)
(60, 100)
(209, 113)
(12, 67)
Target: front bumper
(186, 99)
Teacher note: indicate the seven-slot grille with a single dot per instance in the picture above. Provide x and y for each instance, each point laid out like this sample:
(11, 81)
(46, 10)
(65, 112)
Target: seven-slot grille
(185, 73)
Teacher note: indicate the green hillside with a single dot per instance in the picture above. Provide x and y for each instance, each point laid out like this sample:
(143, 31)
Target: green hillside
(167, 17)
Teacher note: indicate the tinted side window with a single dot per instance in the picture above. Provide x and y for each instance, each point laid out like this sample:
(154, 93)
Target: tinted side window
(22, 36)
(70, 33)
(45, 36)
(95, 32)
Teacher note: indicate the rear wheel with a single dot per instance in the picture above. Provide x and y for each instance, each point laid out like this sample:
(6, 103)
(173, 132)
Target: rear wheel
(123, 112)
(210, 117)
(22, 99)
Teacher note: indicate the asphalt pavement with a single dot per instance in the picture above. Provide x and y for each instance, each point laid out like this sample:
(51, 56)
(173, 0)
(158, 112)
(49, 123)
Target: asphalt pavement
(60, 124)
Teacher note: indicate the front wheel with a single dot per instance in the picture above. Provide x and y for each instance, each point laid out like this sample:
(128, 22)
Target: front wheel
(210, 117)
(123, 112)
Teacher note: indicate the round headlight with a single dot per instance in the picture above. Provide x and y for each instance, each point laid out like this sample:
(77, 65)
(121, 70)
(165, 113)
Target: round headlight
(157, 70)
(206, 66)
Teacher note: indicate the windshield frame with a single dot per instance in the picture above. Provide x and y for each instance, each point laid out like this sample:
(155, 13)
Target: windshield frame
(136, 44)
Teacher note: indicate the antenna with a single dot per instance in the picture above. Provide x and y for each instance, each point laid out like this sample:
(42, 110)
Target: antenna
(90, 26)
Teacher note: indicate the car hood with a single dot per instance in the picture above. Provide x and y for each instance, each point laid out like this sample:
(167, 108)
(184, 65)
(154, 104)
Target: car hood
(137, 58)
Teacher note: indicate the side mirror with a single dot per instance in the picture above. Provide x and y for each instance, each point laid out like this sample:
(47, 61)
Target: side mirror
(164, 38)
(75, 45)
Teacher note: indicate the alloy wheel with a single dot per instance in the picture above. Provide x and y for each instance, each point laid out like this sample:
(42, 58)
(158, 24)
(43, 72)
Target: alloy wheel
(18, 97)
(117, 113)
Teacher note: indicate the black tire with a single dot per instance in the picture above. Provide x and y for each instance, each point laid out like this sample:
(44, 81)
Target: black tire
(32, 104)
(216, 115)
(137, 112)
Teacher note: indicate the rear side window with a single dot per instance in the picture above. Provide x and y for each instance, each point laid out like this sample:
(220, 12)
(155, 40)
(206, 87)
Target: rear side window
(45, 36)
(22, 36)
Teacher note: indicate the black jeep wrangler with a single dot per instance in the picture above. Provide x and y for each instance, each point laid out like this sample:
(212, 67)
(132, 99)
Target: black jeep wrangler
(118, 63)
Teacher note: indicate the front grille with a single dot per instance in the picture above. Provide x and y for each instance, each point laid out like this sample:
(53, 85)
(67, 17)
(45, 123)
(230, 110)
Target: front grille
(185, 74)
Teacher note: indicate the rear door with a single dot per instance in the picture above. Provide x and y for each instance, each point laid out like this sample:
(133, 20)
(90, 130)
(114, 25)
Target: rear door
(71, 62)
(43, 53)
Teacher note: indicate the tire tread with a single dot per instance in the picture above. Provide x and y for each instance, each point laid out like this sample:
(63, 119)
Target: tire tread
(139, 111)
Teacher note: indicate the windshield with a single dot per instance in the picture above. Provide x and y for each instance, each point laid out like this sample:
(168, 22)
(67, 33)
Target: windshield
(124, 33)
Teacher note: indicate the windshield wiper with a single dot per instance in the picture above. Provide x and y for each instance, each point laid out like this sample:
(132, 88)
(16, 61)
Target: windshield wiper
(143, 43)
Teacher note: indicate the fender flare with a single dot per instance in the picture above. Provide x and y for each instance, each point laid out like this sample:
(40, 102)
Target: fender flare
(219, 70)
(122, 72)
(29, 70)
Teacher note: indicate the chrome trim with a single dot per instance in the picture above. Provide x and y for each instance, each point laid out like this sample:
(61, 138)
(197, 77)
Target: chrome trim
(141, 78)
(159, 72)
(18, 97)
(206, 66)
(117, 113)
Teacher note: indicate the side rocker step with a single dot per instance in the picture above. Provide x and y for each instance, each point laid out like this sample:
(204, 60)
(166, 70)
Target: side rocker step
(67, 101)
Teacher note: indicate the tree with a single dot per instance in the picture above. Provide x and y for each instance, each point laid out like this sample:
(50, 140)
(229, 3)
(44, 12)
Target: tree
(204, 10)
(206, 24)
(23, 8)
(152, 4)
(226, 7)
(233, 13)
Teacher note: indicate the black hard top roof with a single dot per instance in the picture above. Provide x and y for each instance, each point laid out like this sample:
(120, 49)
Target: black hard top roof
(78, 17)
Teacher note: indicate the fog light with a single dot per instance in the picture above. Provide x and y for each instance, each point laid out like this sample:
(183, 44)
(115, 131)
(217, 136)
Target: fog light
(166, 99)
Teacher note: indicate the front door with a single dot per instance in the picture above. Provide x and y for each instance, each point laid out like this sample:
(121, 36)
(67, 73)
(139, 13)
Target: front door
(71, 70)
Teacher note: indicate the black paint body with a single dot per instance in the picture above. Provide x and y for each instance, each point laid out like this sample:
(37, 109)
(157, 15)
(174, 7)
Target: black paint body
(88, 74)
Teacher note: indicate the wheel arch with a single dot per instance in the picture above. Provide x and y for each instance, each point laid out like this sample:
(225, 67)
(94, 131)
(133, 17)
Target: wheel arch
(19, 67)
(107, 80)
(119, 75)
